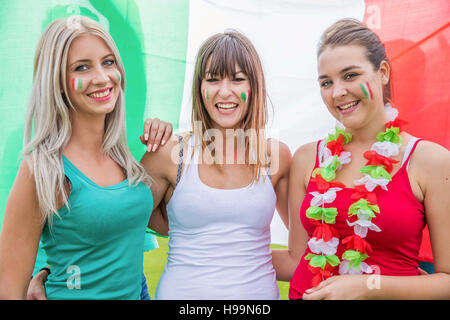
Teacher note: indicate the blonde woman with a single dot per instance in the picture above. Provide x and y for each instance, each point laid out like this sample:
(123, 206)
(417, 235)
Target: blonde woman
(78, 185)
(222, 181)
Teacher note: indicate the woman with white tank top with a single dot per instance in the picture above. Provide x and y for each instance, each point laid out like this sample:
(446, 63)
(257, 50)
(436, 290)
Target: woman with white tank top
(222, 181)
(223, 242)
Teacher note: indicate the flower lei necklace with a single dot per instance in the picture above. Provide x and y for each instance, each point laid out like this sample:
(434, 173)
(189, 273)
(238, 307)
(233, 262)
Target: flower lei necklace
(325, 239)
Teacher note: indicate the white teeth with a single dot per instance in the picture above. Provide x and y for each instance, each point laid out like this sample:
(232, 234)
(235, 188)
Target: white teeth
(349, 105)
(226, 106)
(99, 95)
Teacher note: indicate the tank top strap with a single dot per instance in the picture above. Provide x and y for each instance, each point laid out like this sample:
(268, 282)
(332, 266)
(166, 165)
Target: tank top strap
(180, 159)
(187, 159)
(409, 150)
(71, 172)
(269, 175)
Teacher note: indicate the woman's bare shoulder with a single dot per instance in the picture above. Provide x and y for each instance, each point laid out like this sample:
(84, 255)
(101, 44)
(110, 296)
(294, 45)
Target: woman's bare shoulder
(431, 154)
(306, 154)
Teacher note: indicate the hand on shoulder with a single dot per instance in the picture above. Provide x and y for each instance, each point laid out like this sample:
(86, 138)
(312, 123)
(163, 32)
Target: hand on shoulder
(163, 153)
(163, 162)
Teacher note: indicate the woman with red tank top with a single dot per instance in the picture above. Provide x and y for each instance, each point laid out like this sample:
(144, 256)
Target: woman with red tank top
(360, 198)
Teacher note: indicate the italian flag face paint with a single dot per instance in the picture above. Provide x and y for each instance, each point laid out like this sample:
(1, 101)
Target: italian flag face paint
(365, 87)
(245, 95)
(77, 84)
(119, 78)
(206, 94)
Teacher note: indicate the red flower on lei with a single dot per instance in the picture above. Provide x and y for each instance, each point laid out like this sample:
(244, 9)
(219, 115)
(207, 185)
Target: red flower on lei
(361, 192)
(324, 231)
(323, 185)
(355, 242)
(336, 146)
(320, 274)
(376, 159)
(399, 123)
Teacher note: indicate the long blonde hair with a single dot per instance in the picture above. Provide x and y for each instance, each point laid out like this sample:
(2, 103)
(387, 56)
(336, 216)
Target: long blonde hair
(48, 115)
(224, 51)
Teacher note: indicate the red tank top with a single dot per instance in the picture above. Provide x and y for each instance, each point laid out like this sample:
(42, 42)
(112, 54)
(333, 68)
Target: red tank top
(395, 248)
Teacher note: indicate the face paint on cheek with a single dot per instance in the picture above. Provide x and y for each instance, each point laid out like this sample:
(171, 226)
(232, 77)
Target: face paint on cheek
(367, 90)
(119, 78)
(77, 84)
(245, 95)
(205, 94)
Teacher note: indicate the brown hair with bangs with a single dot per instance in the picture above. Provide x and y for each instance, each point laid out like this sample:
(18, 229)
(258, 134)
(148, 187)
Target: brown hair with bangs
(223, 51)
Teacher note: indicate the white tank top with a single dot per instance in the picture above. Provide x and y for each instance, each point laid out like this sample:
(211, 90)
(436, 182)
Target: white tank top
(218, 240)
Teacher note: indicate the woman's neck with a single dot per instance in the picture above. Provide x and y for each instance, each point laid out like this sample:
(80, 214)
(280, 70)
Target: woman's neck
(367, 133)
(87, 135)
(231, 145)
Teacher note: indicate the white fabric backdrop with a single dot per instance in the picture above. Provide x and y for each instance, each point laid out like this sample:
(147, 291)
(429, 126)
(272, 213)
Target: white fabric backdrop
(298, 114)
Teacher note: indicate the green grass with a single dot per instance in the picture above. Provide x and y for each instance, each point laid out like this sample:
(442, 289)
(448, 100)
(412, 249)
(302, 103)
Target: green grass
(155, 260)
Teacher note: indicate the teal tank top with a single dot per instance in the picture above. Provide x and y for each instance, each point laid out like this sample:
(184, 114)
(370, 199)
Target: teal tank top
(95, 248)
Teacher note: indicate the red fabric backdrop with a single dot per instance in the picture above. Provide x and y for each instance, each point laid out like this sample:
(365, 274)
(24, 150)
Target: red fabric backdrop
(416, 34)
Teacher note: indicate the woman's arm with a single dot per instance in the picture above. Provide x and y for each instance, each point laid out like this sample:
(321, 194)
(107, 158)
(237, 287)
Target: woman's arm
(158, 220)
(430, 166)
(36, 287)
(162, 166)
(281, 161)
(20, 234)
(285, 261)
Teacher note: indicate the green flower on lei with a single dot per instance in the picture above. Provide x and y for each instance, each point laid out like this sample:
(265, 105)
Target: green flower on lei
(321, 260)
(328, 215)
(391, 135)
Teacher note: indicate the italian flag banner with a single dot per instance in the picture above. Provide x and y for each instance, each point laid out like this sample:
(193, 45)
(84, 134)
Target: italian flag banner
(158, 41)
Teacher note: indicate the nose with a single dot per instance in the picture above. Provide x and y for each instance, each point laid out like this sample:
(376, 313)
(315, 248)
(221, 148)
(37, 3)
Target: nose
(100, 76)
(339, 90)
(225, 89)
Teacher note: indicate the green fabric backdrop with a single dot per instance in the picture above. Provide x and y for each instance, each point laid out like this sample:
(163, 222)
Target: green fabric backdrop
(152, 39)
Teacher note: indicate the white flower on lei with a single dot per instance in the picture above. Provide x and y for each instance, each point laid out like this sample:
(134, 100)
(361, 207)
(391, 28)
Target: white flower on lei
(322, 198)
(372, 183)
(344, 158)
(391, 112)
(363, 214)
(360, 227)
(386, 148)
(345, 268)
(319, 246)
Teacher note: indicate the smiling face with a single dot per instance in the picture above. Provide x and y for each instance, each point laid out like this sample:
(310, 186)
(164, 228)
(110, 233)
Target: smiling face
(350, 87)
(226, 98)
(92, 77)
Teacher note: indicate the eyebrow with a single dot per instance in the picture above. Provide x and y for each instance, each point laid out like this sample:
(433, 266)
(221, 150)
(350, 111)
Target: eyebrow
(87, 60)
(234, 74)
(342, 71)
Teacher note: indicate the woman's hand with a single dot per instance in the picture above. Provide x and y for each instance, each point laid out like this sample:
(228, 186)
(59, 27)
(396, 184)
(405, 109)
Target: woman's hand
(36, 288)
(343, 287)
(156, 133)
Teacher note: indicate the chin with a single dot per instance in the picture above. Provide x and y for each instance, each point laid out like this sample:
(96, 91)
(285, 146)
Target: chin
(228, 126)
(353, 124)
(228, 123)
